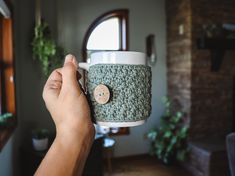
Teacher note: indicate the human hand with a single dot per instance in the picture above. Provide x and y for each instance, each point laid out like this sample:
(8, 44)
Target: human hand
(66, 101)
(70, 111)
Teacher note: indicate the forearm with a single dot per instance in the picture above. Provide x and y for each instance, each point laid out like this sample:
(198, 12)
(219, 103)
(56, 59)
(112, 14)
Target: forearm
(67, 155)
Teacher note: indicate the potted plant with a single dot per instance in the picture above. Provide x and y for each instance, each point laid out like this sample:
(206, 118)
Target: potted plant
(169, 139)
(5, 119)
(40, 138)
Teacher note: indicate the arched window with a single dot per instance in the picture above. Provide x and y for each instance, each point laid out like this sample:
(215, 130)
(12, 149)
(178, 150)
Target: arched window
(108, 32)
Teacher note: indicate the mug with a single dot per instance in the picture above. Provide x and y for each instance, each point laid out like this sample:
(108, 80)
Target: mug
(119, 88)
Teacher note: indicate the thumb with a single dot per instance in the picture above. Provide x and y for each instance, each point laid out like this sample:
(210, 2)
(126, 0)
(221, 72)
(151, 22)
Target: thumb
(69, 73)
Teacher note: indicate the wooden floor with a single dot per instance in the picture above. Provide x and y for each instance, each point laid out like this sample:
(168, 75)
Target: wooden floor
(143, 166)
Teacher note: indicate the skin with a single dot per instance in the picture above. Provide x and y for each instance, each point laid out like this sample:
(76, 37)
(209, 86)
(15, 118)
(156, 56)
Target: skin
(70, 112)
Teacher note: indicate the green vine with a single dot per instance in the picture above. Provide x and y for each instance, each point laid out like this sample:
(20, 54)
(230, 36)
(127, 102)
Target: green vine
(45, 50)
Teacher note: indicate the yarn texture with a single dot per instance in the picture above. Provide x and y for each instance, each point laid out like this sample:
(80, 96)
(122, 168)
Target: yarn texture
(130, 88)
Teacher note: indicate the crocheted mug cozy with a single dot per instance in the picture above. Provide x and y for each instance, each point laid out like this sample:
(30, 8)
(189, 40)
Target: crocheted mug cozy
(127, 93)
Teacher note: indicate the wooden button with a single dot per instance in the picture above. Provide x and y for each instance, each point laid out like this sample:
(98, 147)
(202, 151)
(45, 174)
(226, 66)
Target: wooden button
(101, 94)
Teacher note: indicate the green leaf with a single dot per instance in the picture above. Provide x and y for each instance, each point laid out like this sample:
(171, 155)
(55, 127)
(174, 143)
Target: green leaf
(4, 117)
(159, 145)
(179, 114)
(172, 126)
(183, 132)
(167, 104)
(167, 134)
(159, 152)
(173, 140)
(169, 148)
(152, 135)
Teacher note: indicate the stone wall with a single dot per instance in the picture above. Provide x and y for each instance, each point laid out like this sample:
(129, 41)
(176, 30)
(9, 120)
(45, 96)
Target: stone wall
(179, 54)
(212, 92)
(205, 96)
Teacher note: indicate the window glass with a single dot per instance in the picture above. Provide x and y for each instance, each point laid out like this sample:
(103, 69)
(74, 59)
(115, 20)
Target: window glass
(106, 36)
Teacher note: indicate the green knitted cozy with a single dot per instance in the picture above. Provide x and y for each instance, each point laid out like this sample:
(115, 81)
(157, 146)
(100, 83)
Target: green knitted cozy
(130, 87)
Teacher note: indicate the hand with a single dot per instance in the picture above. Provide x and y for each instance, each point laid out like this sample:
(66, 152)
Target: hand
(66, 101)
(74, 130)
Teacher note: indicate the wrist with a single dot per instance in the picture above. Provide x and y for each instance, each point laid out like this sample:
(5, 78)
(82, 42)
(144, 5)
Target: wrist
(76, 147)
(74, 134)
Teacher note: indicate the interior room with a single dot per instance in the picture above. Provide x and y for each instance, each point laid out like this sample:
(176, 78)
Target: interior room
(185, 96)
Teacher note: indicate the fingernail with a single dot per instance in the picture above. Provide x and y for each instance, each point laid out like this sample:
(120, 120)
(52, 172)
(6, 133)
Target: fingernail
(69, 58)
(75, 62)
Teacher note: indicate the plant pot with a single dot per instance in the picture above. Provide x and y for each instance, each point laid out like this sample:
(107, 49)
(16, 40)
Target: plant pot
(40, 144)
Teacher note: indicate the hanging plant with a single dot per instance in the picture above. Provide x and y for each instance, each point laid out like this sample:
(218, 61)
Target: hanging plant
(44, 48)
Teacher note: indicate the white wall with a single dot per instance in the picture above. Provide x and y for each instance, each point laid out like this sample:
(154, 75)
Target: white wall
(145, 17)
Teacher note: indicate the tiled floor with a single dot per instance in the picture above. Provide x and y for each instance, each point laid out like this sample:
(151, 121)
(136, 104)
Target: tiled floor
(143, 166)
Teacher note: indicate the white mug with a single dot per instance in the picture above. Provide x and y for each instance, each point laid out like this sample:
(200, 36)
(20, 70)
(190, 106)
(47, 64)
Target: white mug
(115, 57)
(120, 58)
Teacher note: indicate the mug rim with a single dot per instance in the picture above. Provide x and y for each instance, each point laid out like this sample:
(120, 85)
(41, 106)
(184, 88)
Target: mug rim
(129, 52)
(118, 57)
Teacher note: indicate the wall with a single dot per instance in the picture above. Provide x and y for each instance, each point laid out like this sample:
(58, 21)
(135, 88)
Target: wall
(31, 111)
(145, 17)
(206, 97)
(179, 55)
(212, 92)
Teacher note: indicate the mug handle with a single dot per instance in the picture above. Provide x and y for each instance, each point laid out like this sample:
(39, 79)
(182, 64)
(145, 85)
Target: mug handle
(84, 65)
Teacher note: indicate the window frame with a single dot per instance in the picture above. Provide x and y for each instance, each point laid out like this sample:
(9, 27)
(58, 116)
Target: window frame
(7, 76)
(122, 15)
